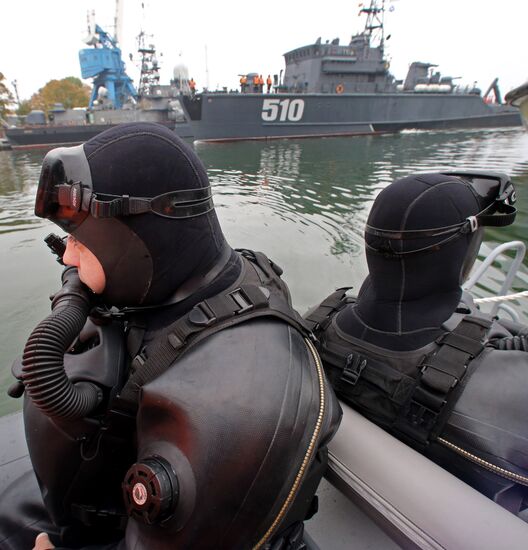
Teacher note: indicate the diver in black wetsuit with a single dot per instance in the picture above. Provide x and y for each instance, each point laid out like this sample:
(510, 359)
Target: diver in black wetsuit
(191, 410)
(414, 354)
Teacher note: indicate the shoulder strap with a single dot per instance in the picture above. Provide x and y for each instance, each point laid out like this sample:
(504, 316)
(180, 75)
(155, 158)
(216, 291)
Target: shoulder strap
(320, 317)
(438, 386)
(235, 305)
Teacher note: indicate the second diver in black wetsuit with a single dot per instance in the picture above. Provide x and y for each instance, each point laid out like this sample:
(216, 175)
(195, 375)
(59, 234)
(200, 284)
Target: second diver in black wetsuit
(414, 354)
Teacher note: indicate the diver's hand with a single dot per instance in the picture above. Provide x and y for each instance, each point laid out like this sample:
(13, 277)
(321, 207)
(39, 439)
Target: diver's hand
(42, 542)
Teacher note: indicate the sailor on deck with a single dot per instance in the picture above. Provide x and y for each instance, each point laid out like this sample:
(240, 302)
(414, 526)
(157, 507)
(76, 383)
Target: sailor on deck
(268, 83)
(192, 86)
(243, 83)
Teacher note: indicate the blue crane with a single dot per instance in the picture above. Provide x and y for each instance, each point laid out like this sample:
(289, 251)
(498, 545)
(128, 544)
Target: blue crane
(103, 63)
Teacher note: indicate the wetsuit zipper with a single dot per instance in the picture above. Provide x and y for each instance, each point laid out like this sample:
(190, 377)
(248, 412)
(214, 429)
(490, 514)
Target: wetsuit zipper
(308, 454)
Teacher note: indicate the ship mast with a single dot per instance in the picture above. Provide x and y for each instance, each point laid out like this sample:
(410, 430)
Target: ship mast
(118, 21)
(149, 76)
(374, 23)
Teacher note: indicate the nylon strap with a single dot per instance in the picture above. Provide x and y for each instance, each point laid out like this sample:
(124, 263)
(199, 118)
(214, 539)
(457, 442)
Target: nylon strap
(233, 306)
(321, 316)
(506, 216)
(422, 418)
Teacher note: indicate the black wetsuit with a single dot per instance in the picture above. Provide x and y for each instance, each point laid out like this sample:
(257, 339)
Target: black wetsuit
(234, 416)
(459, 398)
(239, 422)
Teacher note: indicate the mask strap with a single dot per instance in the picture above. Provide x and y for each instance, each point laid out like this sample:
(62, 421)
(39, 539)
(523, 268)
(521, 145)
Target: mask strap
(506, 216)
(186, 203)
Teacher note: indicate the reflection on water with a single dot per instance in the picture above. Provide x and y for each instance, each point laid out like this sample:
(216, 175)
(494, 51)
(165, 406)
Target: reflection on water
(18, 177)
(303, 202)
(331, 183)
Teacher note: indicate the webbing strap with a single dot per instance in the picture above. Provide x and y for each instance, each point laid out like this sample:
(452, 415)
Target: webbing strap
(213, 311)
(233, 306)
(425, 413)
(505, 215)
(322, 314)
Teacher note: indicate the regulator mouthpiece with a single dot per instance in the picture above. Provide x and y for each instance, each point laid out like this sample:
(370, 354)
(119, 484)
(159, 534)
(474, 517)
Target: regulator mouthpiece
(57, 246)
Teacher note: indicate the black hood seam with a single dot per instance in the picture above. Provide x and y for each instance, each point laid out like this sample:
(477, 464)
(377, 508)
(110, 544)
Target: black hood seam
(403, 224)
(398, 333)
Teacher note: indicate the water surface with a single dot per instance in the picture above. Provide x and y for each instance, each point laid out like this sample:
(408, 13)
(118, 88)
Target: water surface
(303, 202)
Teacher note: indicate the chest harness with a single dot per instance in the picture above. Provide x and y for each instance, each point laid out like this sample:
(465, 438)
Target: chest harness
(259, 293)
(422, 398)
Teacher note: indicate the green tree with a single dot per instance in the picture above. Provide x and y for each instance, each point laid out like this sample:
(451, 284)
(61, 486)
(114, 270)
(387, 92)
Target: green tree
(70, 91)
(24, 107)
(6, 97)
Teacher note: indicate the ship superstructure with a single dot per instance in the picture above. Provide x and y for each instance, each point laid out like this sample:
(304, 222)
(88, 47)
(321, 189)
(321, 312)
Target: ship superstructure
(330, 67)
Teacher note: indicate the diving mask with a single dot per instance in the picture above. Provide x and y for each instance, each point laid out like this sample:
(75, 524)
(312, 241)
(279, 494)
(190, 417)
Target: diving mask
(65, 195)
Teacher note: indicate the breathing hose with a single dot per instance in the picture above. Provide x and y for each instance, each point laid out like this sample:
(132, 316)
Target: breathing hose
(43, 374)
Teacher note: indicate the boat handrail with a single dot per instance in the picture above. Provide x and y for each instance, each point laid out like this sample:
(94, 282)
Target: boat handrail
(520, 250)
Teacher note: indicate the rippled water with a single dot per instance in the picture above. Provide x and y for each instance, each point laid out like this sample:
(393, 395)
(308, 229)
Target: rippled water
(303, 202)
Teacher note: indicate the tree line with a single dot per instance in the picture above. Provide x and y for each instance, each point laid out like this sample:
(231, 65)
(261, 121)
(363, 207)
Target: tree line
(69, 91)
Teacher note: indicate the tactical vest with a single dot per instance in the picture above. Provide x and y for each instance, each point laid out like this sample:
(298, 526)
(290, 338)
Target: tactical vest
(413, 394)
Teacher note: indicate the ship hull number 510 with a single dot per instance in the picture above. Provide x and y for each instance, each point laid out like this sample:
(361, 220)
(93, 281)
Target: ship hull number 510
(283, 110)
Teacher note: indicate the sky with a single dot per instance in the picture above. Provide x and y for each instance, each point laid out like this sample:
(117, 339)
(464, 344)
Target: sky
(477, 40)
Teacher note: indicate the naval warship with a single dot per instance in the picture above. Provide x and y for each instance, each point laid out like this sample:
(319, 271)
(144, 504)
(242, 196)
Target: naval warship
(114, 99)
(331, 89)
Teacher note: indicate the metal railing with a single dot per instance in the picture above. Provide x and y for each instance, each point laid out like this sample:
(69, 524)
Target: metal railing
(520, 250)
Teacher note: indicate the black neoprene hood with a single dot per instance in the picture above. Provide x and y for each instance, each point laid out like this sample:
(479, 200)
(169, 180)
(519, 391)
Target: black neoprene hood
(139, 198)
(422, 237)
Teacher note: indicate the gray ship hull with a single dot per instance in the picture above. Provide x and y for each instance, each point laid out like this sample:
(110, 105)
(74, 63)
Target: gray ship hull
(232, 116)
(44, 136)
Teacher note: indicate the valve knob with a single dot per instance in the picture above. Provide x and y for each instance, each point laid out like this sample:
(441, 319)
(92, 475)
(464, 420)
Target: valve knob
(151, 490)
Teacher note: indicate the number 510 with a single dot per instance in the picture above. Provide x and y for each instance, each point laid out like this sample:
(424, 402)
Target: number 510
(286, 109)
